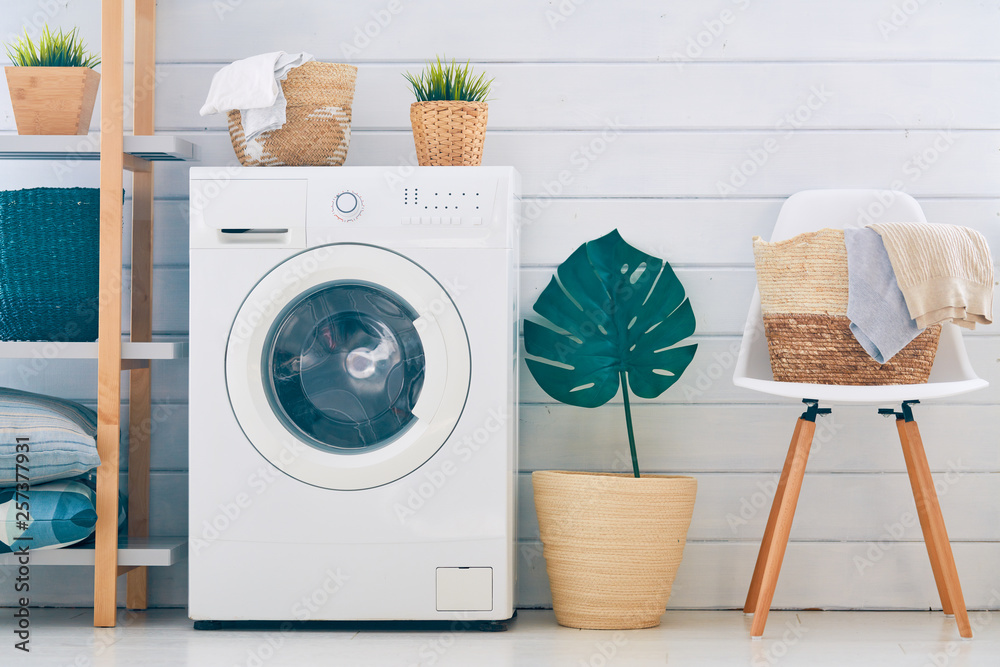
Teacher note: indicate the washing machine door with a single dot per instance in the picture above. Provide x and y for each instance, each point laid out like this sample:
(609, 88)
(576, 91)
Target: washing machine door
(348, 366)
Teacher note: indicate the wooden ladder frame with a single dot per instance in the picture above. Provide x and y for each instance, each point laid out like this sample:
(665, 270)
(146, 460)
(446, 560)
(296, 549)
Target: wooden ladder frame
(109, 362)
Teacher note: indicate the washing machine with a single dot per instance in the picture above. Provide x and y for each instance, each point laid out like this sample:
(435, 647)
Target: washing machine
(353, 393)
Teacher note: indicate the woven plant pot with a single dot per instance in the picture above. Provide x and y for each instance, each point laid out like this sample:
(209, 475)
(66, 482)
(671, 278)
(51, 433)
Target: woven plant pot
(317, 129)
(49, 252)
(803, 296)
(612, 544)
(449, 133)
(52, 100)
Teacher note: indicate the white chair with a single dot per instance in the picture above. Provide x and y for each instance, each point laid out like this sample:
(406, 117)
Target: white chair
(951, 374)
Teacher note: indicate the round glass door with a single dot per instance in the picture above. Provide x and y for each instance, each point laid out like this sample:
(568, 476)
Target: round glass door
(348, 366)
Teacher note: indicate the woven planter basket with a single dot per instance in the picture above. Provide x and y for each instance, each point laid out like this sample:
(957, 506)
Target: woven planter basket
(803, 294)
(612, 544)
(317, 129)
(49, 252)
(449, 133)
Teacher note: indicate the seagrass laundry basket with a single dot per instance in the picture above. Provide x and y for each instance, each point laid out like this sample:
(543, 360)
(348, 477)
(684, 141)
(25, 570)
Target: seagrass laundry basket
(449, 133)
(317, 129)
(49, 258)
(803, 293)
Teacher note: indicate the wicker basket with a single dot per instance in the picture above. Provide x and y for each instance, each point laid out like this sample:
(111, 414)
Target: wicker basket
(449, 133)
(803, 293)
(613, 544)
(49, 252)
(317, 129)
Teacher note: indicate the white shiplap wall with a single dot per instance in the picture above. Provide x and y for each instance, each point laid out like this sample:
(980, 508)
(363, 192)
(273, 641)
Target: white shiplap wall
(652, 109)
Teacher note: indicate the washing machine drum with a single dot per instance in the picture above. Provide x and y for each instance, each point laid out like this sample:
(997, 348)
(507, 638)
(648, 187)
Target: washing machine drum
(348, 366)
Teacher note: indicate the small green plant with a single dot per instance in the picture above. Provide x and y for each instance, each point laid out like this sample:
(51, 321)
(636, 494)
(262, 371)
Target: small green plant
(60, 49)
(449, 81)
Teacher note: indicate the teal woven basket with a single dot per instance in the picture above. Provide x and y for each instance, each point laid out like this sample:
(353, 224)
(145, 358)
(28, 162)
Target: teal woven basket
(49, 256)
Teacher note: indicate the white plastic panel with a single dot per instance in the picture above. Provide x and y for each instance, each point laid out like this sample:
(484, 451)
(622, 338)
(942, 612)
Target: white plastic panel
(272, 212)
(464, 588)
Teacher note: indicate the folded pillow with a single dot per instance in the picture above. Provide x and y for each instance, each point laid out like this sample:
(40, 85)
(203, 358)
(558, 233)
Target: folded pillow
(60, 437)
(60, 513)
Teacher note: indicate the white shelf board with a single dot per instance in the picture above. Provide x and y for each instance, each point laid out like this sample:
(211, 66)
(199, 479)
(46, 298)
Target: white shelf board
(156, 148)
(64, 350)
(148, 551)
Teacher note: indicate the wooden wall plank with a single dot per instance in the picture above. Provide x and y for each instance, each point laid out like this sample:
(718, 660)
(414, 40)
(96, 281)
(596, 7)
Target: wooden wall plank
(748, 438)
(724, 96)
(837, 507)
(814, 575)
(535, 30)
(677, 229)
(659, 164)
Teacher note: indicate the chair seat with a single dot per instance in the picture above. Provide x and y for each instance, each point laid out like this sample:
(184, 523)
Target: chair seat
(884, 395)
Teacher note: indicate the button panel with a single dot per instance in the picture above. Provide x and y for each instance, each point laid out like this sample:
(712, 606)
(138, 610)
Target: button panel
(435, 220)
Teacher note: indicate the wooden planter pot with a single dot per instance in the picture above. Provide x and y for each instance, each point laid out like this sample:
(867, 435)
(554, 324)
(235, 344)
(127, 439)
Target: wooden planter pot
(612, 544)
(52, 100)
(449, 133)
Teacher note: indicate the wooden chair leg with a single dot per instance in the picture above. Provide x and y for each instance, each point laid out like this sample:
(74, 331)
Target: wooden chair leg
(925, 526)
(765, 543)
(932, 523)
(783, 524)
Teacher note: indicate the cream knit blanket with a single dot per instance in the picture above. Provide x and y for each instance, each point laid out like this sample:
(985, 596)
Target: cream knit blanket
(944, 271)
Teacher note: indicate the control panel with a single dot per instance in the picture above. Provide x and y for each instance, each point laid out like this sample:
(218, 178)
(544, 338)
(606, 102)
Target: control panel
(281, 207)
(444, 205)
(459, 204)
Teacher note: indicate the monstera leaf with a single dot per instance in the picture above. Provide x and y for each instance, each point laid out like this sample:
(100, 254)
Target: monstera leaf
(614, 315)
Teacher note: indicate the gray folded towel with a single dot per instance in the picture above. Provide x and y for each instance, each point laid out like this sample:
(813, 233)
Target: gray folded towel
(879, 317)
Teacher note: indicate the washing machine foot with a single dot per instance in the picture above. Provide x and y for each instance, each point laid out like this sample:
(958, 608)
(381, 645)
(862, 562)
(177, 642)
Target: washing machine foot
(208, 625)
(495, 626)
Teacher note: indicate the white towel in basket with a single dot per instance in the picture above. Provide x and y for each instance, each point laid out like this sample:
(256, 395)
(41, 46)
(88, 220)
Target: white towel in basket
(253, 85)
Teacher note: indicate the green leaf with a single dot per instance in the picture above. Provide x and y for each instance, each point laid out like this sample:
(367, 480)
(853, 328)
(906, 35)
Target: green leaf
(611, 311)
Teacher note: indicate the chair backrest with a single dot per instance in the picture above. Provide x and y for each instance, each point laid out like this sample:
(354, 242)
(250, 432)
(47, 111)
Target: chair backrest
(811, 210)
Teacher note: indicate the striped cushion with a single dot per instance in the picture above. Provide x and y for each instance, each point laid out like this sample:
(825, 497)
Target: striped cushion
(60, 437)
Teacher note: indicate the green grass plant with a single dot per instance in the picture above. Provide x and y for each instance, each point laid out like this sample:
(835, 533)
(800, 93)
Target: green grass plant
(449, 81)
(59, 49)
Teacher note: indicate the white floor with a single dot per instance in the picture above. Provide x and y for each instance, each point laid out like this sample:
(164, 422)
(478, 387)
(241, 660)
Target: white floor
(702, 638)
